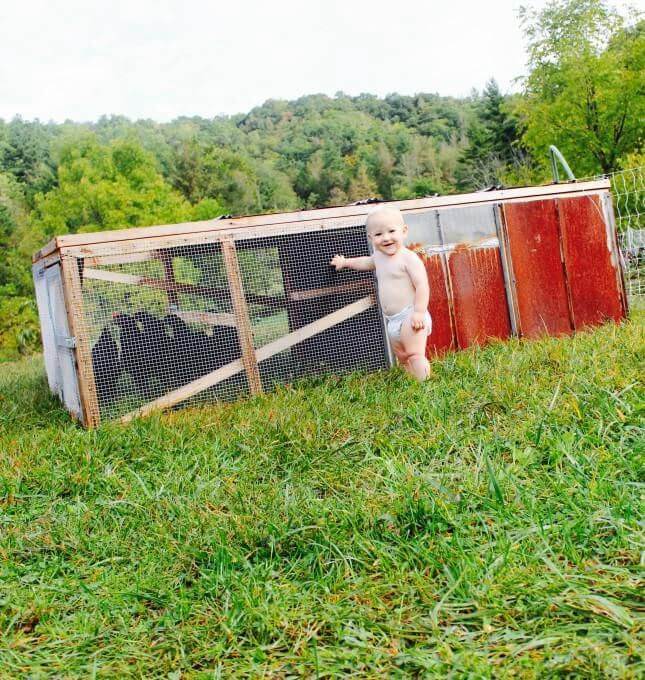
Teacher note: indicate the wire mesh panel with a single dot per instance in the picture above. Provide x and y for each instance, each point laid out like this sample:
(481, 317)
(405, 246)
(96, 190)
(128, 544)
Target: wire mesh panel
(628, 190)
(223, 318)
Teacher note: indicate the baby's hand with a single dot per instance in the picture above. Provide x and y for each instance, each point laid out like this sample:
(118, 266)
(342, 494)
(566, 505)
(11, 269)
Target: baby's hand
(338, 261)
(418, 321)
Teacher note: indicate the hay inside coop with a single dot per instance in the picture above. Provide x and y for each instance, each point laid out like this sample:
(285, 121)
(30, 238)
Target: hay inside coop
(159, 317)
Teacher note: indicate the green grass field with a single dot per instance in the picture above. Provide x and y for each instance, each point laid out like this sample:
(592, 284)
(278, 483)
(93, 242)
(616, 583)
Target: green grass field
(485, 524)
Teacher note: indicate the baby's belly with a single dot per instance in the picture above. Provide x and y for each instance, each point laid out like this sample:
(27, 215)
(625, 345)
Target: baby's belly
(393, 301)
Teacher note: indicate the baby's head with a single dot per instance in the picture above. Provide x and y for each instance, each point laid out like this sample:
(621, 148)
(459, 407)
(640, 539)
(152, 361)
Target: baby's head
(387, 230)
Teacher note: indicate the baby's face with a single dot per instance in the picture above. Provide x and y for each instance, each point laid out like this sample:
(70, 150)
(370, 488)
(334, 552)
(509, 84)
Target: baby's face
(387, 232)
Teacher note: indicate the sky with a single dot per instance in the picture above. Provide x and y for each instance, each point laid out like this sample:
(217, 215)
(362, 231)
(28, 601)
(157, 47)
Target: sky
(159, 59)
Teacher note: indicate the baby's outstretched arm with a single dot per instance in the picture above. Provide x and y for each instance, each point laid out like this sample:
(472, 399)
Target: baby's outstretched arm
(359, 264)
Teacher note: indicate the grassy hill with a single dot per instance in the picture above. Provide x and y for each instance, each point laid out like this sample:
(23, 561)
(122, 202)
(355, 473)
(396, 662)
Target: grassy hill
(484, 523)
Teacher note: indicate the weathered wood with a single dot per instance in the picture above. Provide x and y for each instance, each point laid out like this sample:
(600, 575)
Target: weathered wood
(209, 318)
(187, 391)
(169, 276)
(175, 286)
(49, 260)
(73, 295)
(102, 261)
(314, 328)
(522, 193)
(299, 295)
(244, 329)
(127, 247)
(266, 352)
(153, 241)
(116, 277)
(47, 249)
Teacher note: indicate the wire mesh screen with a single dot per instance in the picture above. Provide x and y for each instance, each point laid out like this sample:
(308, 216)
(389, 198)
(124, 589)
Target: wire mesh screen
(628, 188)
(223, 318)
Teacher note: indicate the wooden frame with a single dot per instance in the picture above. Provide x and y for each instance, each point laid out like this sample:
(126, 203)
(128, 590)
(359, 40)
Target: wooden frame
(244, 329)
(295, 218)
(82, 257)
(73, 295)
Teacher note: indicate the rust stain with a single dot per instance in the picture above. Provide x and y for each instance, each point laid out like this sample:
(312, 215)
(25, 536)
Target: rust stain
(534, 241)
(442, 338)
(595, 295)
(479, 296)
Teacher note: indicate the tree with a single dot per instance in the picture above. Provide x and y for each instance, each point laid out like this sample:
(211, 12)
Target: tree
(493, 141)
(584, 91)
(106, 187)
(25, 153)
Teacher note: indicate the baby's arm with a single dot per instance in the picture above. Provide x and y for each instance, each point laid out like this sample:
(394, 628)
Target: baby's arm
(419, 278)
(360, 264)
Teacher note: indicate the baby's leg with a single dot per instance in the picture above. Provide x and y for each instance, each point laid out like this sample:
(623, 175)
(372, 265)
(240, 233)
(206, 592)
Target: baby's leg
(413, 344)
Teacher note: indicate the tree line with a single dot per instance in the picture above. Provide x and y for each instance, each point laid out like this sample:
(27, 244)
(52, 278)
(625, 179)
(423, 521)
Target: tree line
(583, 92)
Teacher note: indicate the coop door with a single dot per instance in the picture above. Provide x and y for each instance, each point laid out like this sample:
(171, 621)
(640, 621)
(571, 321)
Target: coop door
(46, 329)
(63, 361)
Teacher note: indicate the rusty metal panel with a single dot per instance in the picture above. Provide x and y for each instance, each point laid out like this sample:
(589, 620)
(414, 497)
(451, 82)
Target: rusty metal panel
(541, 291)
(479, 295)
(476, 276)
(442, 338)
(587, 247)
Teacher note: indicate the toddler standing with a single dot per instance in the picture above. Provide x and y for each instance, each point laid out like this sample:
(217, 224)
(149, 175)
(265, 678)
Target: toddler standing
(403, 288)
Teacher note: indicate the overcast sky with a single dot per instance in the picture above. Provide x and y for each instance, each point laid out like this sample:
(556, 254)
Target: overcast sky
(159, 59)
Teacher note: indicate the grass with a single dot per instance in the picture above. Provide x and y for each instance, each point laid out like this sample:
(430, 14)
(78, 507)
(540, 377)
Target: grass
(485, 524)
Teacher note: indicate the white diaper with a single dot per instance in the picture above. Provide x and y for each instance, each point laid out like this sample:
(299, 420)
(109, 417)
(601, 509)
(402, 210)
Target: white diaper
(395, 322)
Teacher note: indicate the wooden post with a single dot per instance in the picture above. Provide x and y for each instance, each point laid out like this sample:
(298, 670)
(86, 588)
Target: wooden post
(241, 310)
(74, 307)
(169, 275)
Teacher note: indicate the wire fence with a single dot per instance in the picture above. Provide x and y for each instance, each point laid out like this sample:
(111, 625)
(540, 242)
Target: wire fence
(628, 191)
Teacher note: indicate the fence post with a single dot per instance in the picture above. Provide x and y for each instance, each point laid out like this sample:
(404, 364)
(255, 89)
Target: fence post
(244, 330)
(73, 294)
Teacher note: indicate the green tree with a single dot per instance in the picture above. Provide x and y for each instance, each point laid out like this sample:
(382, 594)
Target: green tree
(25, 153)
(584, 91)
(493, 141)
(106, 187)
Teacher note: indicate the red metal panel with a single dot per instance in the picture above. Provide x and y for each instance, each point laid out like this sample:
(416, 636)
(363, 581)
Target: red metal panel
(442, 337)
(593, 279)
(534, 242)
(479, 296)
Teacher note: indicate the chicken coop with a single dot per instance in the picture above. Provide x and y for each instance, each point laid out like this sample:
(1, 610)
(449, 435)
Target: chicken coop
(158, 317)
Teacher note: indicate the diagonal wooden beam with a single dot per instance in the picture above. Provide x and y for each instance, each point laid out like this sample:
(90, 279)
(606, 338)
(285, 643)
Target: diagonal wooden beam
(234, 367)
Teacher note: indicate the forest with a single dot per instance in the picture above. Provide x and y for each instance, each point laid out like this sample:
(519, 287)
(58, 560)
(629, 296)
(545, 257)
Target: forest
(583, 92)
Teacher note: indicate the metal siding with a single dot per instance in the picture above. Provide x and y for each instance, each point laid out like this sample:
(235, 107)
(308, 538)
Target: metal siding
(534, 242)
(68, 387)
(47, 330)
(479, 295)
(442, 337)
(595, 295)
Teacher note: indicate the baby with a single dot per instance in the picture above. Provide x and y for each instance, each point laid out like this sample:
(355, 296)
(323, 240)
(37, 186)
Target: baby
(402, 285)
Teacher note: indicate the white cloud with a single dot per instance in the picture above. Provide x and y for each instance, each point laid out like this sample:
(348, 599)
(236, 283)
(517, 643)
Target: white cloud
(159, 59)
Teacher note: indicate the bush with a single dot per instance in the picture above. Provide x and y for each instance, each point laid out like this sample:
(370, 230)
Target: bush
(19, 328)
